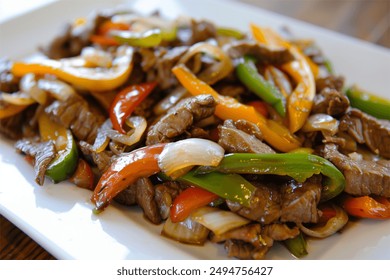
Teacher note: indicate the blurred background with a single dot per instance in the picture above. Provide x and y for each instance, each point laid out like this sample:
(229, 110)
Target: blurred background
(368, 20)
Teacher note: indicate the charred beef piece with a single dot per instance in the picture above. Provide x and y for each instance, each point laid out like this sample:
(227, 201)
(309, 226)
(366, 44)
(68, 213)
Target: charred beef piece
(362, 177)
(142, 192)
(180, 118)
(76, 114)
(299, 201)
(330, 101)
(42, 152)
(368, 130)
(265, 205)
(263, 53)
(241, 137)
(195, 31)
(8, 82)
(330, 82)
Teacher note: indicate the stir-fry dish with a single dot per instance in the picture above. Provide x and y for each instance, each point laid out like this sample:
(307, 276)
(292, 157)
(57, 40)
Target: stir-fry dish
(239, 138)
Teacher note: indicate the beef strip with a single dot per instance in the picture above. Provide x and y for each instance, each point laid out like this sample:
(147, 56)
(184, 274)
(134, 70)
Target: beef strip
(244, 251)
(330, 82)
(76, 114)
(330, 101)
(263, 53)
(242, 137)
(11, 127)
(362, 177)
(299, 201)
(365, 129)
(194, 31)
(102, 160)
(8, 82)
(180, 118)
(165, 194)
(42, 152)
(265, 205)
(280, 232)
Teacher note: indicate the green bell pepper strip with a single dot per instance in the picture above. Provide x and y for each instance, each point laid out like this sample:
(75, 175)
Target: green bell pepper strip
(147, 39)
(299, 166)
(247, 73)
(229, 186)
(297, 246)
(230, 32)
(376, 106)
(64, 165)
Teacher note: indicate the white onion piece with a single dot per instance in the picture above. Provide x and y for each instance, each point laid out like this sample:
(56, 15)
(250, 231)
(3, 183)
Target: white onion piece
(96, 58)
(102, 140)
(333, 225)
(321, 122)
(17, 98)
(58, 89)
(217, 220)
(187, 231)
(29, 85)
(189, 152)
(132, 136)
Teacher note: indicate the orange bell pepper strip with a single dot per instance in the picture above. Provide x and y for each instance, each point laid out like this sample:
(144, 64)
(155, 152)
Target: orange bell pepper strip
(367, 207)
(98, 79)
(227, 107)
(10, 110)
(300, 102)
(124, 171)
(188, 200)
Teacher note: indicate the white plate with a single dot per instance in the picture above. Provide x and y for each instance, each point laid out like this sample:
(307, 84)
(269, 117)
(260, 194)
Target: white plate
(59, 217)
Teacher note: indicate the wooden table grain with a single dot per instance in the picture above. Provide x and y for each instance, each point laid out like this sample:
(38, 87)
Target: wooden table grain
(368, 20)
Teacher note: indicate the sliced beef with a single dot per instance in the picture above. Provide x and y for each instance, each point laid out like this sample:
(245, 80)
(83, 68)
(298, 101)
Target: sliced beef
(11, 127)
(299, 201)
(76, 114)
(180, 118)
(280, 232)
(165, 194)
(42, 152)
(194, 31)
(242, 137)
(330, 101)
(330, 82)
(142, 192)
(102, 160)
(265, 205)
(244, 251)
(263, 53)
(365, 129)
(8, 82)
(362, 177)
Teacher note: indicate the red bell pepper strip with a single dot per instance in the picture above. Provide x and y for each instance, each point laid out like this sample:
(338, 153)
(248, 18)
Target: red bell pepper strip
(367, 207)
(126, 101)
(260, 107)
(124, 171)
(188, 200)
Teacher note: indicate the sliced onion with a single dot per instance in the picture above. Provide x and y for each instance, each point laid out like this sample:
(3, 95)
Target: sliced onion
(60, 90)
(102, 140)
(187, 231)
(17, 98)
(216, 71)
(96, 58)
(333, 225)
(29, 85)
(138, 124)
(321, 122)
(189, 152)
(217, 220)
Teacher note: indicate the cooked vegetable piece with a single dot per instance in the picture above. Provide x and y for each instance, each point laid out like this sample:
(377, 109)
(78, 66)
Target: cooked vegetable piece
(250, 77)
(297, 246)
(147, 39)
(367, 207)
(83, 176)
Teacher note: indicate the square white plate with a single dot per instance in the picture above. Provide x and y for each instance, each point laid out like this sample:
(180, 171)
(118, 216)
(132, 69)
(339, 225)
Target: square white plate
(59, 217)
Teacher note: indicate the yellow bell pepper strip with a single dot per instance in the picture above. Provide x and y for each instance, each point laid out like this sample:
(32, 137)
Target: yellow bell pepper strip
(147, 39)
(98, 79)
(376, 106)
(367, 207)
(9, 110)
(227, 107)
(126, 101)
(299, 166)
(297, 246)
(247, 73)
(300, 101)
(124, 171)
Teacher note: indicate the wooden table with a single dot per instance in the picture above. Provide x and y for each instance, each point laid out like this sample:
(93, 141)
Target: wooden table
(365, 19)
